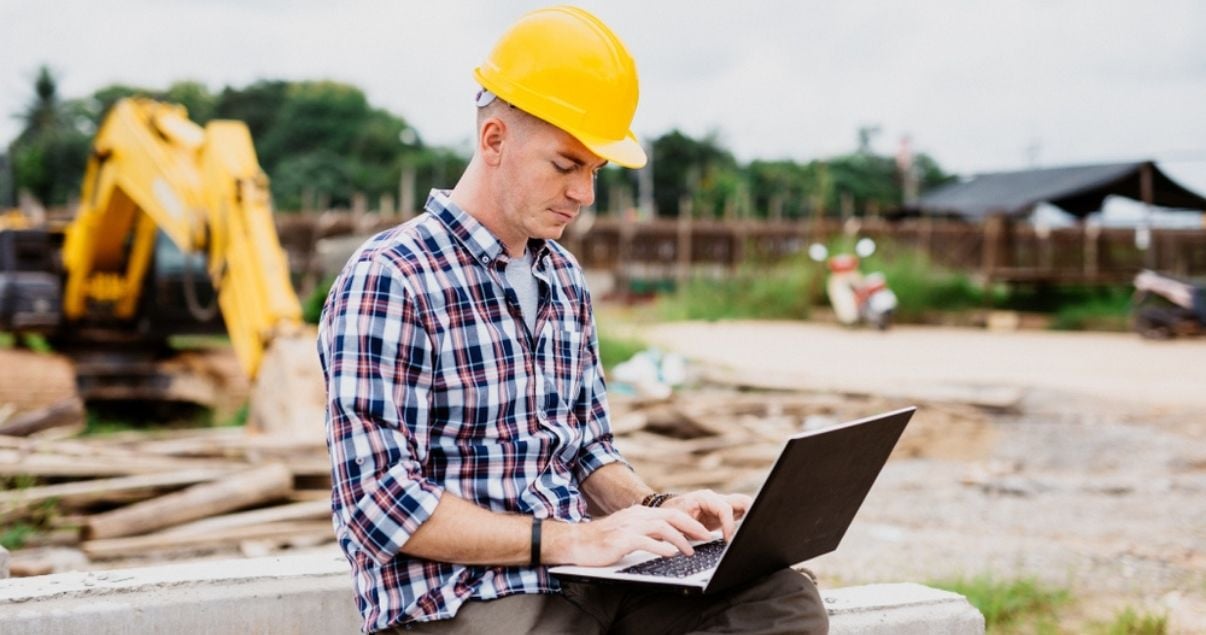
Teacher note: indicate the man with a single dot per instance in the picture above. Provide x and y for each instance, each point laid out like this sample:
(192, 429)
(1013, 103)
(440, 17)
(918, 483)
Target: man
(467, 418)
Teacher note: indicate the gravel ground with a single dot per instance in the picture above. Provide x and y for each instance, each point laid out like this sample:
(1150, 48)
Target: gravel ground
(1097, 482)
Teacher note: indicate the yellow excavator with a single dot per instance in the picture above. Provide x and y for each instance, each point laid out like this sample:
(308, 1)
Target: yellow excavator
(174, 235)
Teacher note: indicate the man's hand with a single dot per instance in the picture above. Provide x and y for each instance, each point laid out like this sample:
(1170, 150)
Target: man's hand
(714, 511)
(605, 541)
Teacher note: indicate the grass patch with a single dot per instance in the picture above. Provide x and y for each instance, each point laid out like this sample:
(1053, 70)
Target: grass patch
(96, 424)
(15, 535)
(1075, 307)
(921, 286)
(26, 520)
(789, 289)
(1108, 309)
(237, 419)
(36, 343)
(614, 350)
(194, 342)
(105, 418)
(1011, 603)
(783, 291)
(1132, 622)
(31, 341)
(312, 304)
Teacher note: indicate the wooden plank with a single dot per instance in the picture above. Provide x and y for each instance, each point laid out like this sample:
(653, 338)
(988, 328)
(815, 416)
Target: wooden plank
(993, 398)
(257, 485)
(308, 510)
(762, 455)
(157, 543)
(238, 443)
(69, 412)
(302, 495)
(15, 463)
(82, 492)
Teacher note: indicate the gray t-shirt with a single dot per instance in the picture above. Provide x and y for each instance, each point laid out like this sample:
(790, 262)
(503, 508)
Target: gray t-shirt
(527, 289)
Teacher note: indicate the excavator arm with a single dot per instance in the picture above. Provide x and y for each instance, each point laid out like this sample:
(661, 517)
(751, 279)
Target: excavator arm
(153, 171)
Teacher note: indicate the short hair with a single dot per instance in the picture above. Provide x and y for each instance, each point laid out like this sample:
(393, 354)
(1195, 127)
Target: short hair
(510, 114)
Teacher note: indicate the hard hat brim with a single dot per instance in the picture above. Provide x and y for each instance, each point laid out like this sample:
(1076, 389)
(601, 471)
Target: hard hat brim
(626, 152)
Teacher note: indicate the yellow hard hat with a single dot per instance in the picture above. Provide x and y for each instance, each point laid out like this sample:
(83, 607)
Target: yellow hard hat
(565, 66)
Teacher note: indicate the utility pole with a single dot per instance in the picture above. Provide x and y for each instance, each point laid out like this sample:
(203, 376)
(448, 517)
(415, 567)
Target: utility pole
(645, 186)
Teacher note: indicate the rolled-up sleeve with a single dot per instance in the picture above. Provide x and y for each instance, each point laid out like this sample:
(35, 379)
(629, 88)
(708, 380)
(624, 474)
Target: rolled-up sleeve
(598, 448)
(377, 362)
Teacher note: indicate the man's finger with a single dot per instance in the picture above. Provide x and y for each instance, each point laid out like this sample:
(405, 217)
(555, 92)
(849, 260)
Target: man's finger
(720, 508)
(687, 525)
(656, 546)
(666, 532)
(740, 504)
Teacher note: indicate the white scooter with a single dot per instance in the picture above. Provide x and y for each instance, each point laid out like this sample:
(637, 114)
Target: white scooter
(856, 297)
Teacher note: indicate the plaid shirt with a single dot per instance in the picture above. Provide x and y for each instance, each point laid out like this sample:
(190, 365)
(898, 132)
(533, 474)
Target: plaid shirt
(435, 384)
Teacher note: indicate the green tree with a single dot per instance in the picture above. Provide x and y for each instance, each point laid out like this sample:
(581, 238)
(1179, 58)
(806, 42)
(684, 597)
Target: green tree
(699, 168)
(49, 154)
(97, 106)
(258, 105)
(435, 167)
(609, 180)
(321, 172)
(784, 184)
(195, 97)
(325, 137)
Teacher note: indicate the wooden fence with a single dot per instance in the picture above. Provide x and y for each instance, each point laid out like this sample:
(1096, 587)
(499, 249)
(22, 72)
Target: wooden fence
(668, 249)
(998, 250)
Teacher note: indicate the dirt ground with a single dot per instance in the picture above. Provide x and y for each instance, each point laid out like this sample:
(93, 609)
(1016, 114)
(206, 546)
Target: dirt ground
(1095, 481)
(1084, 464)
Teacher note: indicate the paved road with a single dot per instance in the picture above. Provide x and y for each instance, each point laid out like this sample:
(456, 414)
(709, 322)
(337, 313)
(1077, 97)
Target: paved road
(1116, 367)
(1097, 482)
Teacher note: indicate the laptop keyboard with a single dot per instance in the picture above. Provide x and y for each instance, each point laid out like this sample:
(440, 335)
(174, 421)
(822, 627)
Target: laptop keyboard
(679, 566)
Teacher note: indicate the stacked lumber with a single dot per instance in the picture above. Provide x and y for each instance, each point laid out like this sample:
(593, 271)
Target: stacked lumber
(727, 439)
(161, 494)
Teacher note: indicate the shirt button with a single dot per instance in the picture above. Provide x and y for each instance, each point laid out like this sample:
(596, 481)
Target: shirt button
(485, 260)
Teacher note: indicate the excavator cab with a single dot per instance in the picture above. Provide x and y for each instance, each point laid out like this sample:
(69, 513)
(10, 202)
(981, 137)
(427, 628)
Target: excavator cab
(178, 297)
(31, 292)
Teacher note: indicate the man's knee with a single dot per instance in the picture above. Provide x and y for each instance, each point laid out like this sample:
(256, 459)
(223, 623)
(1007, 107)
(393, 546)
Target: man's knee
(785, 601)
(797, 593)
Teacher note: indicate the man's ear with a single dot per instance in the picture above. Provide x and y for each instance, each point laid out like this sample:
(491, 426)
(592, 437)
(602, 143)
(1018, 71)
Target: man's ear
(490, 141)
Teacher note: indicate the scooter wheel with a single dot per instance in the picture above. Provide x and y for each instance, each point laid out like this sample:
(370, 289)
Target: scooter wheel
(1153, 324)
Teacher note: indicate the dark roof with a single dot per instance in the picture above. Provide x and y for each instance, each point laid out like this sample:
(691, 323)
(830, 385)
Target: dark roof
(1078, 190)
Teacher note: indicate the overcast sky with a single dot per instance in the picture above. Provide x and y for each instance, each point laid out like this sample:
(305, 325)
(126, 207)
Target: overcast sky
(978, 85)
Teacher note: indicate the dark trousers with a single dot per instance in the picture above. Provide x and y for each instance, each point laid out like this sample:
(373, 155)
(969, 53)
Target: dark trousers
(783, 602)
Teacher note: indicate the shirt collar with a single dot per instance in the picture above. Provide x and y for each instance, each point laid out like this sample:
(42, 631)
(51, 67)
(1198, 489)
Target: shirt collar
(482, 244)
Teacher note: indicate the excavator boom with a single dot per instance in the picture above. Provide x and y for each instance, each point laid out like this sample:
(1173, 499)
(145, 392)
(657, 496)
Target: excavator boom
(154, 175)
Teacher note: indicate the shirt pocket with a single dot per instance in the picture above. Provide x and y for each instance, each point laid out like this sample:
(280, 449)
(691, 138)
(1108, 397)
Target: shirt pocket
(566, 355)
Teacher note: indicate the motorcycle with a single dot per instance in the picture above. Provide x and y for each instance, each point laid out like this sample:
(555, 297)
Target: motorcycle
(1164, 306)
(856, 298)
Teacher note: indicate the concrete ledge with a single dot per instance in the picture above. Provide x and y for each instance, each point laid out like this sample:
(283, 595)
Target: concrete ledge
(293, 594)
(313, 594)
(900, 609)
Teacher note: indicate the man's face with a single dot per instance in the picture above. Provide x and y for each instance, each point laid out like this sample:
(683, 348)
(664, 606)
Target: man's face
(547, 176)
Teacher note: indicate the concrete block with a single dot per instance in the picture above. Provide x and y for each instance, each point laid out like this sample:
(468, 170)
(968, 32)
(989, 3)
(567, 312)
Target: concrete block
(312, 593)
(292, 594)
(900, 609)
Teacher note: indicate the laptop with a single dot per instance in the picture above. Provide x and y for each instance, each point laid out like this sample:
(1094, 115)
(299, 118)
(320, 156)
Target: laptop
(801, 511)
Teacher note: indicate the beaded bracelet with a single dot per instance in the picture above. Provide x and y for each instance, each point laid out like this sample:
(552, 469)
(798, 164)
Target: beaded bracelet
(656, 499)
